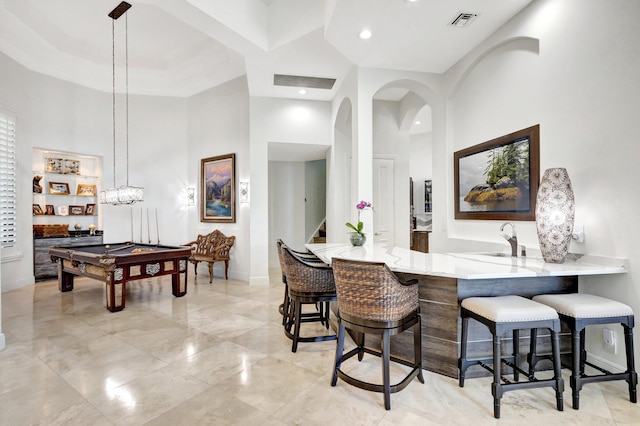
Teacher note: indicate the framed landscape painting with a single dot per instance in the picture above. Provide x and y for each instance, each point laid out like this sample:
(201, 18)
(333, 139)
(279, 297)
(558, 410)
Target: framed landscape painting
(217, 189)
(498, 179)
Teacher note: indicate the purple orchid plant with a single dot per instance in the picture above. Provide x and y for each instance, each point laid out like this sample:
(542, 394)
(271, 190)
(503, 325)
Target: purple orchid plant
(362, 205)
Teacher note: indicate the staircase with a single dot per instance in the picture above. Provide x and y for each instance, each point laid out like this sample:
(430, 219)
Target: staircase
(321, 234)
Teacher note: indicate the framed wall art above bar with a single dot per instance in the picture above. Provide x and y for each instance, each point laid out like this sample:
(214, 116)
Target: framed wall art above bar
(498, 179)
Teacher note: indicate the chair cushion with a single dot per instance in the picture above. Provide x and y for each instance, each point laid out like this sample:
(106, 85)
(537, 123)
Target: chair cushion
(580, 305)
(509, 309)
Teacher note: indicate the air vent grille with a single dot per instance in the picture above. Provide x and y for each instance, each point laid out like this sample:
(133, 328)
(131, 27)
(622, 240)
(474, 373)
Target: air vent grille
(463, 19)
(302, 81)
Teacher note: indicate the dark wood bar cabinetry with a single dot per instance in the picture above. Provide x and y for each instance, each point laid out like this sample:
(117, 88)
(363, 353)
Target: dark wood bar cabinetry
(43, 267)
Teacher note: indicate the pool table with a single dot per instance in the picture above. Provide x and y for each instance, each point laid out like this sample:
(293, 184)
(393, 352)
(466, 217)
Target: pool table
(119, 263)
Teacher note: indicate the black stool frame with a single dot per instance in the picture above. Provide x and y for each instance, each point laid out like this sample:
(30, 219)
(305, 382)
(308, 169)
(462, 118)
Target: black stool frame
(579, 355)
(500, 384)
(386, 329)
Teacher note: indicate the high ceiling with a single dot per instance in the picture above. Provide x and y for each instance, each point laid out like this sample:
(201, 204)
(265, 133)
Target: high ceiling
(182, 47)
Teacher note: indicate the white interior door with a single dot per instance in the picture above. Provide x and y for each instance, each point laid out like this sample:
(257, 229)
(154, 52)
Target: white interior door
(384, 200)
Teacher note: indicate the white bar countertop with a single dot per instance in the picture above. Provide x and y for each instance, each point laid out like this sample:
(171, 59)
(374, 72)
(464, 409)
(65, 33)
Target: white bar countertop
(470, 265)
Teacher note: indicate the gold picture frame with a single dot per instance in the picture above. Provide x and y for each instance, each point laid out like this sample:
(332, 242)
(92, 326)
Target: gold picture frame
(86, 190)
(59, 188)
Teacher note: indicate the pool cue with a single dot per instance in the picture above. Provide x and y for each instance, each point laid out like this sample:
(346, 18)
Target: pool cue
(157, 227)
(131, 224)
(126, 246)
(140, 224)
(148, 226)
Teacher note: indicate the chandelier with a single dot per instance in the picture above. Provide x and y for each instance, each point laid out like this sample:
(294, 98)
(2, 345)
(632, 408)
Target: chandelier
(124, 194)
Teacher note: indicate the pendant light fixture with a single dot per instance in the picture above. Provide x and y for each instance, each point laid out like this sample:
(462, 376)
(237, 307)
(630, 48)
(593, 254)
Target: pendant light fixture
(124, 194)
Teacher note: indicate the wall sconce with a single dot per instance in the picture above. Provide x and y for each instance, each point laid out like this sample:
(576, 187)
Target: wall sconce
(244, 192)
(191, 196)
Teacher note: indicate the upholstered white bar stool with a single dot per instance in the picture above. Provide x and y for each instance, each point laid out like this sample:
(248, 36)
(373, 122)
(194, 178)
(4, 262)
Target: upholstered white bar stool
(578, 310)
(502, 314)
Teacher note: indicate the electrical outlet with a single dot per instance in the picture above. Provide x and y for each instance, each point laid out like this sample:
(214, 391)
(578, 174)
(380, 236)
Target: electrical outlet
(578, 233)
(609, 340)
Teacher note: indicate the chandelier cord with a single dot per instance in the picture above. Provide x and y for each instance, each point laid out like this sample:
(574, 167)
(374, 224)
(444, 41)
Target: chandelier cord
(113, 100)
(126, 108)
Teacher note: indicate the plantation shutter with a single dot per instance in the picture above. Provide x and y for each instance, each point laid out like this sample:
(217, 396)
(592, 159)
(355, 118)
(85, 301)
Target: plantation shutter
(8, 170)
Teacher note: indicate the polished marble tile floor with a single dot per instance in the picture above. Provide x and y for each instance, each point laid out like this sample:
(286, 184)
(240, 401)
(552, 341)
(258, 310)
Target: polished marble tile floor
(218, 357)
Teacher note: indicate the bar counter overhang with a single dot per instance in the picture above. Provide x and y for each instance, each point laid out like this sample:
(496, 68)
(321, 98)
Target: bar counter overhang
(447, 278)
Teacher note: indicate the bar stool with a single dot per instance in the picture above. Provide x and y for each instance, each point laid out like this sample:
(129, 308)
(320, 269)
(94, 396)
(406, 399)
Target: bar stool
(308, 283)
(284, 308)
(578, 310)
(510, 313)
(373, 300)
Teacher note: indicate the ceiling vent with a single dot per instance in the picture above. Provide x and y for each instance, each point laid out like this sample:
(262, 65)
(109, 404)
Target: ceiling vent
(463, 19)
(302, 81)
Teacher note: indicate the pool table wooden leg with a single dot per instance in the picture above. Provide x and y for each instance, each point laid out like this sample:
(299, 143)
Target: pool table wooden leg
(65, 279)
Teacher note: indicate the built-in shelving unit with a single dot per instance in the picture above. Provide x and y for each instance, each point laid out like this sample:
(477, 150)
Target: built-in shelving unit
(65, 204)
(68, 185)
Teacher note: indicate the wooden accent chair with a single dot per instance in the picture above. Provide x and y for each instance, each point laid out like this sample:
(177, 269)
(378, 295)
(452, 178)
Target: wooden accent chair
(211, 248)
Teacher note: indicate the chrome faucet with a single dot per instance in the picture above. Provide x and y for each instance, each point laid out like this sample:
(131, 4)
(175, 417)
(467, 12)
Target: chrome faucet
(512, 240)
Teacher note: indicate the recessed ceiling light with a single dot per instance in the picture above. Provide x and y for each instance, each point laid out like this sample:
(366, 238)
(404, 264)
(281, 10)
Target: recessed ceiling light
(418, 122)
(365, 34)
(302, 91)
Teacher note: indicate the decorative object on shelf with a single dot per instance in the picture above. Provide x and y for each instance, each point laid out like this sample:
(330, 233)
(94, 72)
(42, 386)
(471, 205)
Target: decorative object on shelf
(555, 211)
(217, 189)
(37, 189)
(59, 188)
(53, 230)
(86, 190)
(63, 211)
(92, 229)
(77, 227)
(72, 167)
(76, 210)
(427, 196)
(358, 237)
(51, 211)
(37, 209)
(124, 194)
(54, 165)
(90, 209)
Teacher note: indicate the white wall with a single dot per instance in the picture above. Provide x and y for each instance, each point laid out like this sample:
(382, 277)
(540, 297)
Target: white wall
(219, 124)
(582, 88)
(277, 120)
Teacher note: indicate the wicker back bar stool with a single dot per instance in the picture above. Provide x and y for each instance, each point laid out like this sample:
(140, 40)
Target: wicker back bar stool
(372, 300)
(308, 282)
(501, 314)
(307, 256)
(577, 311)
